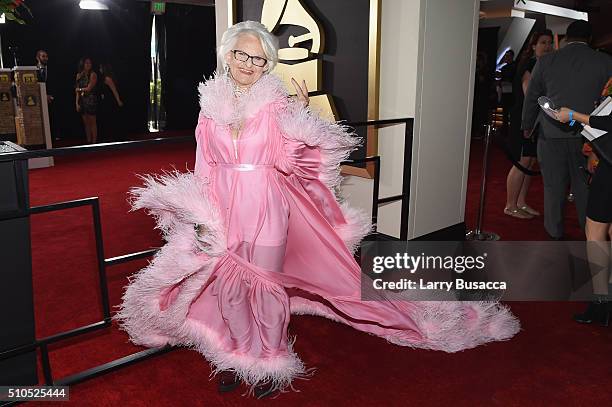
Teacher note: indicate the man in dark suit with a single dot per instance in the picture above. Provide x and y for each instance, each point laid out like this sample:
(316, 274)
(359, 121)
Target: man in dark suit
(42, 59)
(573, 76)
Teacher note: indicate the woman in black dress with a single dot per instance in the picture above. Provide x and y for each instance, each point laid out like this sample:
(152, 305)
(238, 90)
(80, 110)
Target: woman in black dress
(517, 183)
(87, 98)
(598, 222)
(110, 106)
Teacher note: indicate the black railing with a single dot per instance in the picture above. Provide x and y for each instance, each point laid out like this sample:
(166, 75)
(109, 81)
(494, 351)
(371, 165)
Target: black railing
(92, 148)
(43, 343)
(123, 145)
(404, 196)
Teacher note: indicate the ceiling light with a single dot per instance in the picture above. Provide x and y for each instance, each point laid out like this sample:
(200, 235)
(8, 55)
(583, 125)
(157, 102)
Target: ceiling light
(543, 8)
(92, 5)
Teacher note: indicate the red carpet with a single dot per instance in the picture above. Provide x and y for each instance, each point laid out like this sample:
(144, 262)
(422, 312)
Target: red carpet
(552, 361)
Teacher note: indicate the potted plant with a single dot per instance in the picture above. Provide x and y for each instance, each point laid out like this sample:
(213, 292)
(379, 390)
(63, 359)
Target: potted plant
(12, 8)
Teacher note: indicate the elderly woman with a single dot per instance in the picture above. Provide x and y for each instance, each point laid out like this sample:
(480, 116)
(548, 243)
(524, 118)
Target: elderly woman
(598, 221)
(258, 232)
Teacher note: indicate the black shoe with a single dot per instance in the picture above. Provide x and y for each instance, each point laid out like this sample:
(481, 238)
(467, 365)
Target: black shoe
(597, 311)
(228, 381)
(264, 390)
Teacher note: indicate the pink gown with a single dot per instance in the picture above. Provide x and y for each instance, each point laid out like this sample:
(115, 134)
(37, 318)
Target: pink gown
(258, 233)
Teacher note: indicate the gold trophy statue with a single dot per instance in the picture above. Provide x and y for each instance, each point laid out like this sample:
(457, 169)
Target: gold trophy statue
(307, 64)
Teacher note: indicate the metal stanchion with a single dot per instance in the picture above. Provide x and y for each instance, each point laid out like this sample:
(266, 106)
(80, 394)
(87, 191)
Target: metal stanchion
(478, 233)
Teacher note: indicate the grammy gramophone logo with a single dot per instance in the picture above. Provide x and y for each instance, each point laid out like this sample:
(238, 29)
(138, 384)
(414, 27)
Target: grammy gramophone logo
(300, 57)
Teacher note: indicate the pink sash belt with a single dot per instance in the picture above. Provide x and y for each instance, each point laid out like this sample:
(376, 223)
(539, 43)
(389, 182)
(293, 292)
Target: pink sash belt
(246, 167)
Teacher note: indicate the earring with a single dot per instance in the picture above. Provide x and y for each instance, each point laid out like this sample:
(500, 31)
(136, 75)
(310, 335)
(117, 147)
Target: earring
(226, 69)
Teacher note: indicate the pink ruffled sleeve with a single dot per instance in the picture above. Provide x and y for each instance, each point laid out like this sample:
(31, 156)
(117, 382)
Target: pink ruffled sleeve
(305, 162)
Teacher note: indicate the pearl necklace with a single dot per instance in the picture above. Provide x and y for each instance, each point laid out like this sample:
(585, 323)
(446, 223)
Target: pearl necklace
(236, 128)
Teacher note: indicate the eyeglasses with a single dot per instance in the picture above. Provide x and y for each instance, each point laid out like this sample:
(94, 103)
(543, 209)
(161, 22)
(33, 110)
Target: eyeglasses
(244, 57)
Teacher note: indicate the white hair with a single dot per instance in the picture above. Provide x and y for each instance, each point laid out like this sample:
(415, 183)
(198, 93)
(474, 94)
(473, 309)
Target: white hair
(269, 42)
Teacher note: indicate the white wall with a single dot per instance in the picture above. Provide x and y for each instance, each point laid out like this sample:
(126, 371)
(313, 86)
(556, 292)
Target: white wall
(428, 50)
(221, 21)
(399, 46)
(447, 54)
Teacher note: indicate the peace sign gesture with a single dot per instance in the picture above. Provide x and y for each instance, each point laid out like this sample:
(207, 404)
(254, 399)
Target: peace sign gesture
(301, 92)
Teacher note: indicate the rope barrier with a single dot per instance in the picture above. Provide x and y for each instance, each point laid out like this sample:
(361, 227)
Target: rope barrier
(506, 150)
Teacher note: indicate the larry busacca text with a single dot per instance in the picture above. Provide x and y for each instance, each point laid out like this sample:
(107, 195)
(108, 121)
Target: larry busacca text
(403, 262)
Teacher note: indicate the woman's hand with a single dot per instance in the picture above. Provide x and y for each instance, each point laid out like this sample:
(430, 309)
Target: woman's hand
(301, 92)
(592, 162)
(563, 115)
